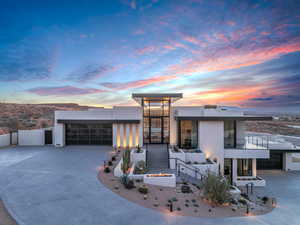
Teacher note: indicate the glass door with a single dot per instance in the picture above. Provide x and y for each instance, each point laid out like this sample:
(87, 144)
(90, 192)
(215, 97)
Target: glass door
(156, 130)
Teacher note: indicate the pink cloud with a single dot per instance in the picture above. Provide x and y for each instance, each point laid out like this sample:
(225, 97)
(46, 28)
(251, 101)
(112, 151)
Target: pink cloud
(64, 91)
(146, 50)
(230, 23)
(138, 83)
(232, 58)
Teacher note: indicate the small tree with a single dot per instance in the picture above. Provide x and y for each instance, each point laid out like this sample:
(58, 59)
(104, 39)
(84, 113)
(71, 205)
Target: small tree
(216, 189)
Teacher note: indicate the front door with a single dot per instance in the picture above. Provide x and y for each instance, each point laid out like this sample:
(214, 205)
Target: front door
(156, 130)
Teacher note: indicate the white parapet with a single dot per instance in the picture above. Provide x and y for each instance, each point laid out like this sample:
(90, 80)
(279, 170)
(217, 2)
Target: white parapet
(135, 156)
(247, 154)
(175, 155)
(256, 181)
(165, 180)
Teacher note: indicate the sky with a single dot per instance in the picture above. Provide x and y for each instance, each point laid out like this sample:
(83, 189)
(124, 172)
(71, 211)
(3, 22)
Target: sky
(99, 52)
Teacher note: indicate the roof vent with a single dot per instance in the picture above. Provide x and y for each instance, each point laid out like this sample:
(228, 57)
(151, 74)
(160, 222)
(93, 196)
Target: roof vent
(210, 106)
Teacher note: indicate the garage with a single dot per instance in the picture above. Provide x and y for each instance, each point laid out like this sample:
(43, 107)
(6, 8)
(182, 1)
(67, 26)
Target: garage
(89, 134)
(275, 162)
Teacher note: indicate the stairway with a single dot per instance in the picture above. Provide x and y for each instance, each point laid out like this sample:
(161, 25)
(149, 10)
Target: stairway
(157, 157)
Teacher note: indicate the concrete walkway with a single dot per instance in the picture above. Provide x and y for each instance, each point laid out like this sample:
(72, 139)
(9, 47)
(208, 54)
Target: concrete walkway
(157, 157)
(50, 186)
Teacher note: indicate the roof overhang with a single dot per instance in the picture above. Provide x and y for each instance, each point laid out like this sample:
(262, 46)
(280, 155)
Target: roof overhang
(295, 150)
(222, 118)
(138, 97)
(96, 121)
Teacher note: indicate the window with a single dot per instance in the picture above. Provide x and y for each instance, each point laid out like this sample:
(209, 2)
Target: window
(244, 167)
(188, 134)
(229, 134)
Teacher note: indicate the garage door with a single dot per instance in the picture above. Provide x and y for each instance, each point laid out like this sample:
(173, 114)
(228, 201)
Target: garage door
(274, 163)
(89, 134)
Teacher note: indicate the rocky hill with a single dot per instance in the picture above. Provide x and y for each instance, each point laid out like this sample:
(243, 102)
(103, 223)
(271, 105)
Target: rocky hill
(31, 116)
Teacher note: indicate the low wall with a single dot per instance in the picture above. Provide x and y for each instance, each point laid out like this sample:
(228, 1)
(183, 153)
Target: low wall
(118, 170)
(4, 140)
(135, 157)
(31, 137)
(175, 155)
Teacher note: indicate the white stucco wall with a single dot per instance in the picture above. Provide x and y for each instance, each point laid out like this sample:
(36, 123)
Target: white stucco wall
(4, 140)
(59, 135)
(246, 154)
(122, 133)
(211, 140)
(31, 137)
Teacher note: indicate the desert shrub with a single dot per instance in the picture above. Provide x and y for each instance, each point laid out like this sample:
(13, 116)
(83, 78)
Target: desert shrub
(107, 170)
(243, 201)
(216, 189)
(140, 167)
(138, 149)
(143, 189)
(127, 182)
(265, 199)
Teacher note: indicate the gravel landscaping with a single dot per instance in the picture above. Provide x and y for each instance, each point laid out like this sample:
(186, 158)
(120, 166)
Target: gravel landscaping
(5, 218)
(173, 201)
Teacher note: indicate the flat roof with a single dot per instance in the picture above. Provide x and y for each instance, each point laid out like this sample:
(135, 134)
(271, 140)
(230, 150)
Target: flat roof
(221, 118)
(83, 121)
(156, 96)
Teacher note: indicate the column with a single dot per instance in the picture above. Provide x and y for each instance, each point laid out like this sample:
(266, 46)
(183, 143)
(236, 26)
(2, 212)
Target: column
(118, 136)
(127, 133)
(122, 136)
(134, 134)
(115, 133)
(140, 132)
(254, 167)
(234, 171)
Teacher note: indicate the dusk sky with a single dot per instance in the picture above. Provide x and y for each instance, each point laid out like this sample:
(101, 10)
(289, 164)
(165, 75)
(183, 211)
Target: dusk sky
(234, 53)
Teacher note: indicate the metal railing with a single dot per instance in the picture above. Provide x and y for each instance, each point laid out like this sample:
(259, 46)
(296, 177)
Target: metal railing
(253, 143)
(180, 163)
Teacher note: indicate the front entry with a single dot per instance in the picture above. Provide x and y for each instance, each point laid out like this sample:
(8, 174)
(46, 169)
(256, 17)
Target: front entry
(156, 121)
(156, 131)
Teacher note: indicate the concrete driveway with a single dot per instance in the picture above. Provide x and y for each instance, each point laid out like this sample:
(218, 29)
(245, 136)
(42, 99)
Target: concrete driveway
(53, 186)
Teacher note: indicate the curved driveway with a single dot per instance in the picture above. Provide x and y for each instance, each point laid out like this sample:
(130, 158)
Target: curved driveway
(53, 186)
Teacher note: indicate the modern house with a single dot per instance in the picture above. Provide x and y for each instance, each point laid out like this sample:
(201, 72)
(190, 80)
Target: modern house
(219, 133)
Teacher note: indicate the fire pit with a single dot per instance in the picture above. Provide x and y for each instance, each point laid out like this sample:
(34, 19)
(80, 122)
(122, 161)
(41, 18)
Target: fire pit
(160, 179)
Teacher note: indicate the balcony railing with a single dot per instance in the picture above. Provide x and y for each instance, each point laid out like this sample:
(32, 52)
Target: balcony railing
(253, 143)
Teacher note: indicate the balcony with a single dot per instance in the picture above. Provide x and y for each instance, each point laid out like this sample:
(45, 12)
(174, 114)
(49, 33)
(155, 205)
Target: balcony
(250, 147)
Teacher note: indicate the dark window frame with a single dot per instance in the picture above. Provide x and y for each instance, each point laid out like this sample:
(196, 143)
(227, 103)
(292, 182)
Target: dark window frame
(240, 171)
(162, 117)
(234, 135)
(179, 132)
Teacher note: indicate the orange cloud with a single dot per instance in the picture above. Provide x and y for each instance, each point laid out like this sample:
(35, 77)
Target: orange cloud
(231, 95)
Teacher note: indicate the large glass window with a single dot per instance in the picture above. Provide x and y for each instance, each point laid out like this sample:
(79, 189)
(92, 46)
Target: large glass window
(229, 134)
(156, 120)
(188, 134)
(244, 167)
